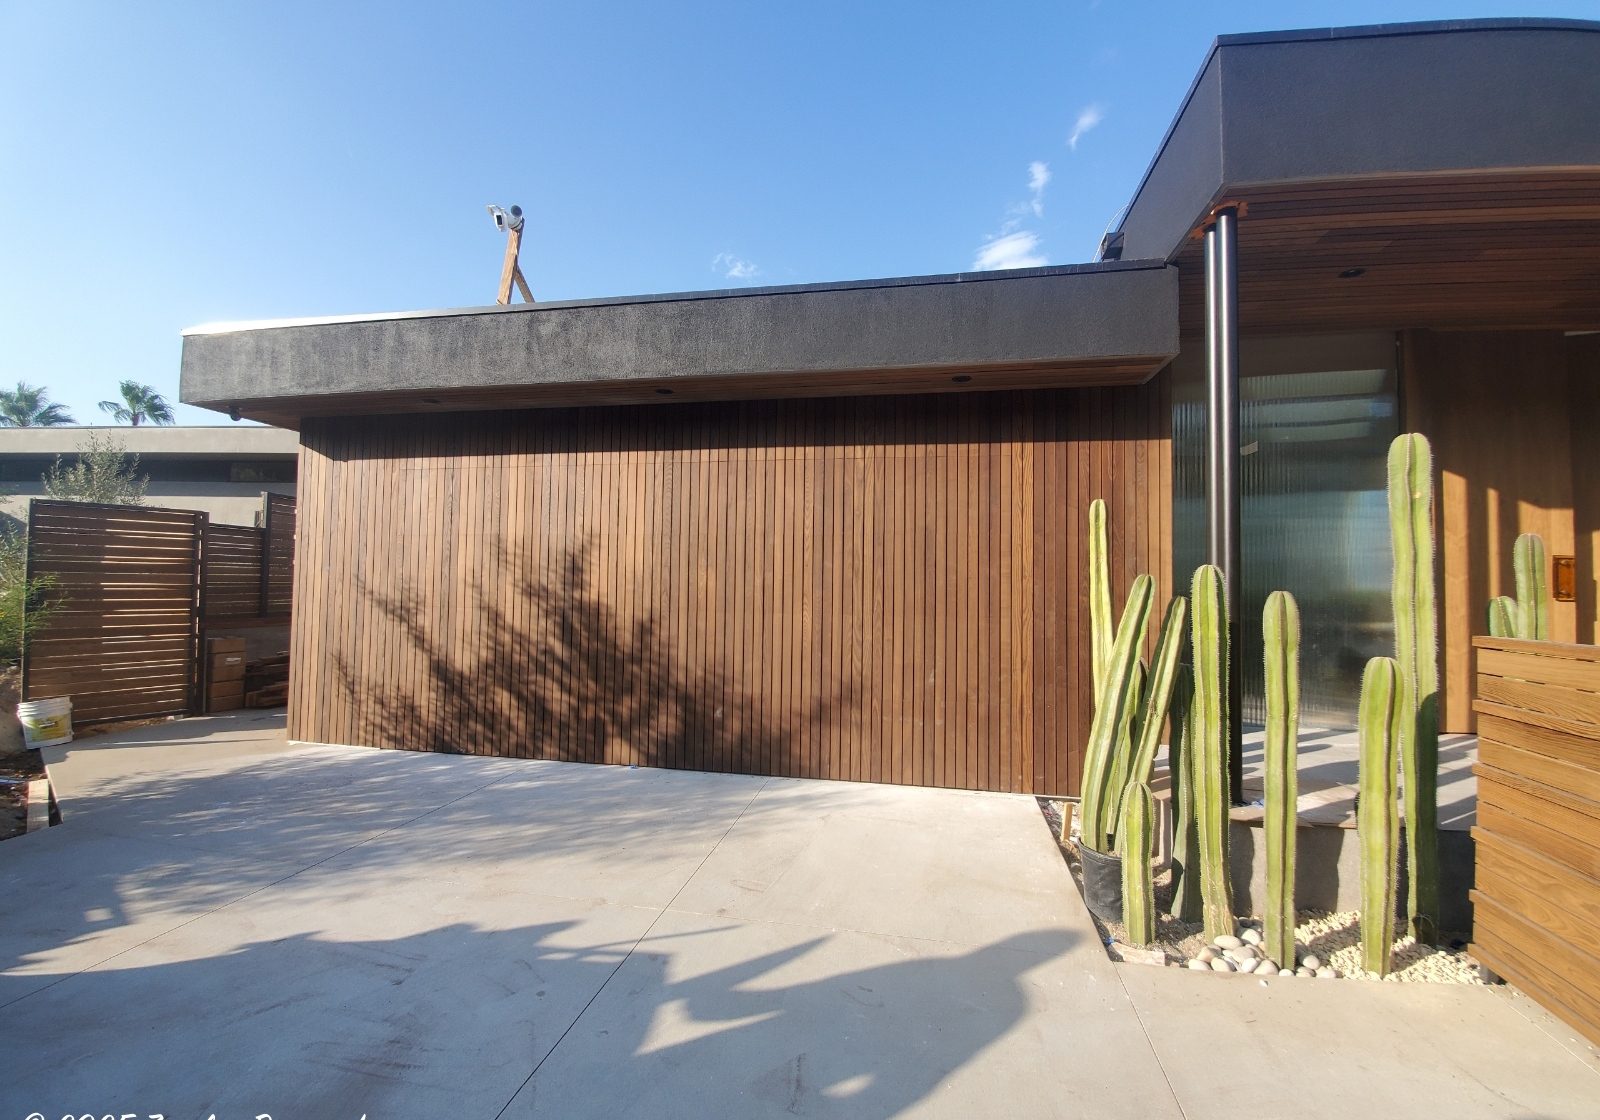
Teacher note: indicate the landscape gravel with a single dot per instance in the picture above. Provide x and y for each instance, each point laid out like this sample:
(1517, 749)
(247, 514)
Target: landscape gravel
(1328, 945)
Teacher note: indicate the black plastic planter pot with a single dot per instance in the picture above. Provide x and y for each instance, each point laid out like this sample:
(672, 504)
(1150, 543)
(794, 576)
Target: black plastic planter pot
(1102, 884)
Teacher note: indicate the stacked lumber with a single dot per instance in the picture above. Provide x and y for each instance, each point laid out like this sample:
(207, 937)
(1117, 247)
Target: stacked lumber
(266, 682)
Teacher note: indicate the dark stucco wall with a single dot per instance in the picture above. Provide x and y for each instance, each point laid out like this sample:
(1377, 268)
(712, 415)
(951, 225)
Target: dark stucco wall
(1128, 309)
(1395, 100)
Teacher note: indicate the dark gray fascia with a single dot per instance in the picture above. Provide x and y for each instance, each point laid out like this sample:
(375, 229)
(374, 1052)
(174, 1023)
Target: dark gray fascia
(1125, 309)
(1471, 95)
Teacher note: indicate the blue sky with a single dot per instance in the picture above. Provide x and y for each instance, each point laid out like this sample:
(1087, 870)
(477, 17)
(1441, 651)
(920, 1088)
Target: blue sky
(165, 164)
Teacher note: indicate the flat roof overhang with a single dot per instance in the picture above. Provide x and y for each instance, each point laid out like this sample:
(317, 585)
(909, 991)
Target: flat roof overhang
(1101, 324)
(1439, 175)
(155, 441)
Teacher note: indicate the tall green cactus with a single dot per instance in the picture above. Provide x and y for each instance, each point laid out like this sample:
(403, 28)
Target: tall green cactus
(1504, 617)
(1101, 636)
(1138, 889)
(1416, 653)
(1533, 598)
(1097, 802)
(1180, 775)
(1385, 713)
(1280, 623)
(1209, 740)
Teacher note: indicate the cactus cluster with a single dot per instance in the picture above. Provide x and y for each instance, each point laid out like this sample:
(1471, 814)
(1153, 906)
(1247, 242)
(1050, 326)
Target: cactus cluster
(1416, 655)
(1280, 624)
(1131, 706)
(1385, 711)
(1131, 701)
(1099, 795)
(1528, 615)
(1206, 749)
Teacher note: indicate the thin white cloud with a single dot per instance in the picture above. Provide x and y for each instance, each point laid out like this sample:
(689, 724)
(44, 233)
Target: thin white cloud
(1009, 250)
(734, 268)
(1013, 246)
(1091, 116)
(1038, 180)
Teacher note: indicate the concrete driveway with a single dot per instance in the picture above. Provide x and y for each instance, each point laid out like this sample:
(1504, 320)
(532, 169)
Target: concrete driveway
(227, 924)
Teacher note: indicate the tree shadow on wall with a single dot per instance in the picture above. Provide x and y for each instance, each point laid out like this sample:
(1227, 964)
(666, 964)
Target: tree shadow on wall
(545, 668)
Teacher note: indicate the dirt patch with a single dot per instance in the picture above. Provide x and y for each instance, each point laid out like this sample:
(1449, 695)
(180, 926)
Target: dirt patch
(16, 771)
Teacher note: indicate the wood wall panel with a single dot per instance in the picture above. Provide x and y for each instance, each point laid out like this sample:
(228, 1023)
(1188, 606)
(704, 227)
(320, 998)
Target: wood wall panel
(871, 589)
(1498, 407)
(1583, 358)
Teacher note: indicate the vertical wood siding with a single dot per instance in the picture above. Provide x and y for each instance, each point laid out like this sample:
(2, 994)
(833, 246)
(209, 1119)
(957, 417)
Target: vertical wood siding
(1502, 412)
(873, 589)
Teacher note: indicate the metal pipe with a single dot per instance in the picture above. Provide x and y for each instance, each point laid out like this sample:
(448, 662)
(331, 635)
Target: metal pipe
(1222, 455)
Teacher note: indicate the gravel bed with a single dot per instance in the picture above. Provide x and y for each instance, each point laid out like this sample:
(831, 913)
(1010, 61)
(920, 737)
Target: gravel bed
(1332, 942)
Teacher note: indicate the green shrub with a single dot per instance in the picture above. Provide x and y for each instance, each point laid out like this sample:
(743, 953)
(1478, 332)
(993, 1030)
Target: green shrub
(24, 603)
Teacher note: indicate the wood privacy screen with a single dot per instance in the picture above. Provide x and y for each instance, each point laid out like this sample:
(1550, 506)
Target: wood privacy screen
(132, 586)
(248, 571)
(1536, 902)
(232, 573)
(880, 589)
(125, 583)
(277, 543)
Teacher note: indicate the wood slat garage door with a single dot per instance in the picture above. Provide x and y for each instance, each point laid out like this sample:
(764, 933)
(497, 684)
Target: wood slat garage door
(880, 589)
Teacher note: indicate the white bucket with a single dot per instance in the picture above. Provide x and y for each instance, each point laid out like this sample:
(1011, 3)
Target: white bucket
(46, 723)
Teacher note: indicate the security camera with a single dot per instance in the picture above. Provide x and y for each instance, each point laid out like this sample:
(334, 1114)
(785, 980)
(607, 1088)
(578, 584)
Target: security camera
(506, 219)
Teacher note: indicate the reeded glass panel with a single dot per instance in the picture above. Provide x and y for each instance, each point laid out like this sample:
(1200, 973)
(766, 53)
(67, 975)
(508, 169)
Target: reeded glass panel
(1315, 519)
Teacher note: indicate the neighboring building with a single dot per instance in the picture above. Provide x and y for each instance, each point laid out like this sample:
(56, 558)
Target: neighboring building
(837, 530)
(221, 470)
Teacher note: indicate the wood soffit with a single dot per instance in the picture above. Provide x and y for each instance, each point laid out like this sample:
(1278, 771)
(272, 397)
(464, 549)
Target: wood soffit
(1489, 250)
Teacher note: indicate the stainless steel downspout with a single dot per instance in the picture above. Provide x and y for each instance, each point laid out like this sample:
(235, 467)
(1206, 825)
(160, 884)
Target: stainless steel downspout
(1222, 453)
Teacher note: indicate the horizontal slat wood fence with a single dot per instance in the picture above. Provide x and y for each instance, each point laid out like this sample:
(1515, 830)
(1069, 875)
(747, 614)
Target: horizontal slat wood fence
(1536, 902)
(125, 584)
(881, 589)
(277, 560)
(131, 587)
(232, 571)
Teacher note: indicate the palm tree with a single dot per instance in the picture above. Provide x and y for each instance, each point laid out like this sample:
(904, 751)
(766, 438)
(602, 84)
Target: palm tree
(138, 404)
(28, 407)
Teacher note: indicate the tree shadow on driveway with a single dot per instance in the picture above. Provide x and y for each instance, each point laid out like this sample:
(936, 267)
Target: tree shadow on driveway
(553, 1019)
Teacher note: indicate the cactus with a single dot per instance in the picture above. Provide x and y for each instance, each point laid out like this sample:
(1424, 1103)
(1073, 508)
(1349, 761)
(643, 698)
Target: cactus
(1138, 890)
(1416, 653)
(1280, 623)
(1528, 615)
(1208, 743)
(1180, 774)
(1100, 626)
(1533, 602)
(1504, 617)
(1158, 686)
(1384, 715)
(1122, 746)
(1098, 763)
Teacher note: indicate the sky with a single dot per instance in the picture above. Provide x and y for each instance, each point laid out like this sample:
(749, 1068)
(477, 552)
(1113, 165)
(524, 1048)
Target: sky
(164, 165)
